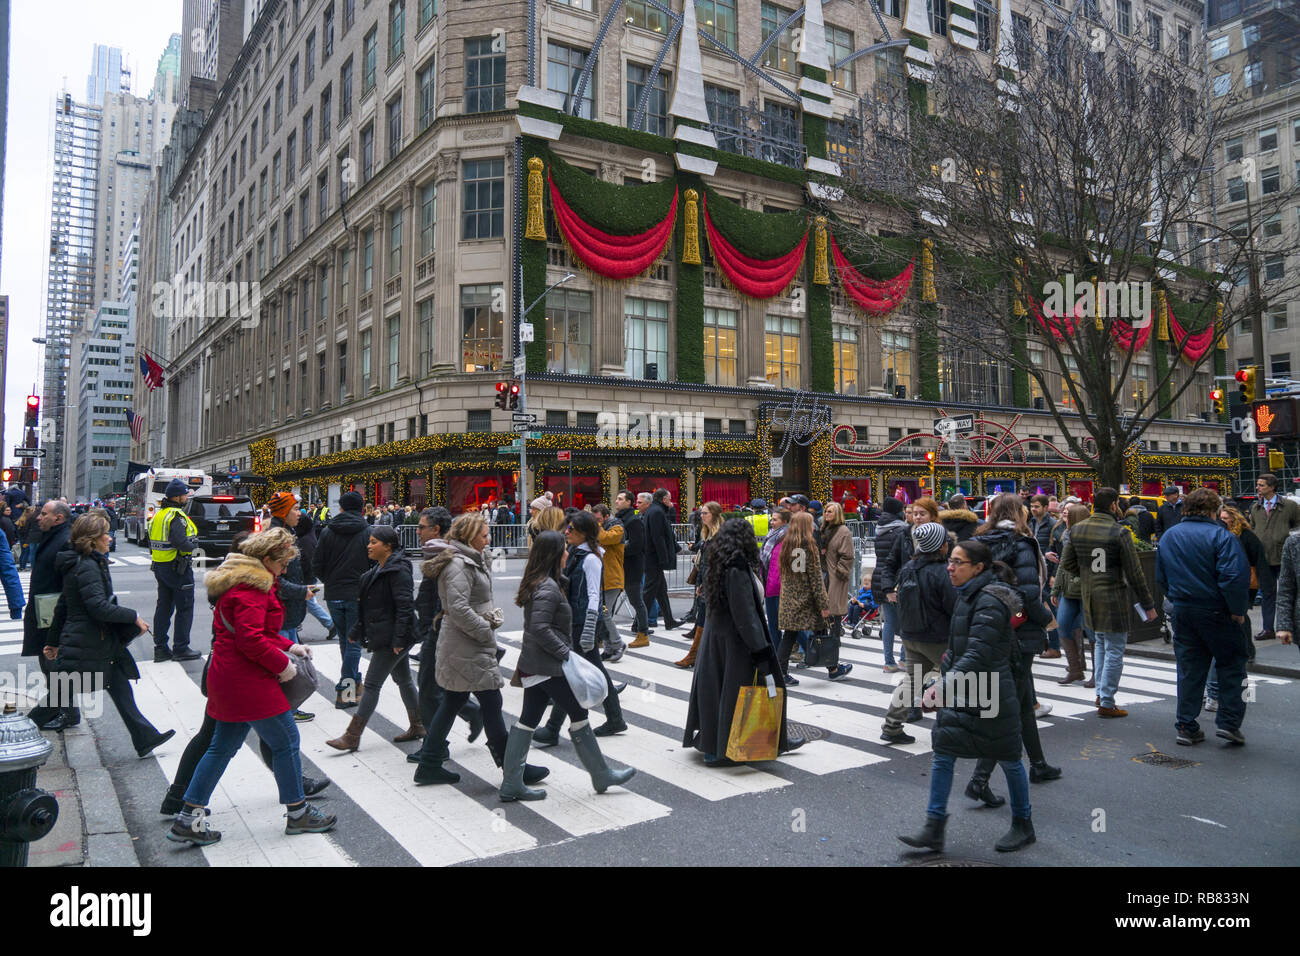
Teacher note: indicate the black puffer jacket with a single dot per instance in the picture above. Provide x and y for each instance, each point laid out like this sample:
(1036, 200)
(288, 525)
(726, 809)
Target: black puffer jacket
(939, 597)
(548, 621)
(92, 617)
(888, 529)
(341, 557)
(292, 587)
(900, 552)
(981, 645)
(1021, 554)
(386, 606)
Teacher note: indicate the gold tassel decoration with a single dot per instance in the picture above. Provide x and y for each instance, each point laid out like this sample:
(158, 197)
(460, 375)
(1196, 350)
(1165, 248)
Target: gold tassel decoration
(927, 271)
(1162, 319)
(1018, 290)
(535, 224)
(1218, 324)
(1098, 323)
(821, 268)
(691, 245)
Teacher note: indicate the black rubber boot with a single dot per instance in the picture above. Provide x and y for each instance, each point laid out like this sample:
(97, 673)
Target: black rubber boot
(980, 790)
(1042, 772)
(174, 802)
(930, 837)
(1019, 836)
(614, 722)
(531, 774)
(548, 735)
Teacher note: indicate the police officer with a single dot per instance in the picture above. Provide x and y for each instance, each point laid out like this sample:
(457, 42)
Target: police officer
(172, 536)
(759, 520)
(322, 515)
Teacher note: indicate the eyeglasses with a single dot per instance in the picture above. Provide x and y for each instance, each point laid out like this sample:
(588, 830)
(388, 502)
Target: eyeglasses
(954, 562)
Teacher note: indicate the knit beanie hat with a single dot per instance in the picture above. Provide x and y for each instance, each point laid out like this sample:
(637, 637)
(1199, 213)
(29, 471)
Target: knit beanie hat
(929, 537)
(351, 501)
(892, 506)
(541, 504)
(281, 504)
(176, 488)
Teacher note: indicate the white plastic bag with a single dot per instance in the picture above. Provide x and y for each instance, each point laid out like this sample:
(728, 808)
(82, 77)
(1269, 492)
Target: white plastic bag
(585, 680)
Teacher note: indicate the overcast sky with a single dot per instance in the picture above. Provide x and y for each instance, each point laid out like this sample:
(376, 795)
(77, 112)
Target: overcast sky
(50, 44)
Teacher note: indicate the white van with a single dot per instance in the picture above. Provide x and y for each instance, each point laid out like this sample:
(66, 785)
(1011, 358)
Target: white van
(145, 495)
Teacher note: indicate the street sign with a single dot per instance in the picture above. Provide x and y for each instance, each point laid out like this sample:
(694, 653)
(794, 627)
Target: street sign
(523, 417)
(511, 449)
(959, 448)
(520, 426)
(563, 456)
(778, 467)
(29, 452)
(525, 331)
(521, 365)
(533, 435)
(956, 424)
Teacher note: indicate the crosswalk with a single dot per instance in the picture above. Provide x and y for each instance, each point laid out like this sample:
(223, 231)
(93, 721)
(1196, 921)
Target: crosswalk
(438, 826)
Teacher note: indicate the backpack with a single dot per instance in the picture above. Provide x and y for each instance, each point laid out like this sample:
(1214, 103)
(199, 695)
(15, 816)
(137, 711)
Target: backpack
(913, 611)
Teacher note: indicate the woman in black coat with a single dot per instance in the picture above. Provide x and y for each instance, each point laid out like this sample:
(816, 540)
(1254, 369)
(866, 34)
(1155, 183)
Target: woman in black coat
(1008, 538)
(92, 641)
(735, 650)
(386, 627)
(978, 664)
(8, 527)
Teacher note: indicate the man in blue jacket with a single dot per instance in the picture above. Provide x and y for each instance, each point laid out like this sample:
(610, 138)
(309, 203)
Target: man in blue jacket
(1202, 567)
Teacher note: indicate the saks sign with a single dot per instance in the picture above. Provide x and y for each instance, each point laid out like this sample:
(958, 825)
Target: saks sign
(801, 422)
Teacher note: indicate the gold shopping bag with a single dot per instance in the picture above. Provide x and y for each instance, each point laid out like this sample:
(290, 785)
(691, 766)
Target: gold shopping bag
(756, 724)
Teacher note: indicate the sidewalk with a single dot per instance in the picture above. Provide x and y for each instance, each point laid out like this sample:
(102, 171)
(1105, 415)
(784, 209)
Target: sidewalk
(1272, 658)
(91, 830)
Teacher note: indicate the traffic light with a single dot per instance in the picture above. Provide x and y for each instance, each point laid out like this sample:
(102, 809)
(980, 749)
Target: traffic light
(1246, 378)
(514, 395)
(1217, 395)
(503, 395)
(33, 411)
(6, 476)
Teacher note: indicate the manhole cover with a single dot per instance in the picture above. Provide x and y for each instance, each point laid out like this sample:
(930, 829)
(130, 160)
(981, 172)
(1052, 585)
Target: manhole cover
(940, 860)
(806, 731)
(1156, 759)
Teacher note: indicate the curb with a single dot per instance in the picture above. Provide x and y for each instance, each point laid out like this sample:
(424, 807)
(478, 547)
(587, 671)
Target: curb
(108, 842)
(1269, 670)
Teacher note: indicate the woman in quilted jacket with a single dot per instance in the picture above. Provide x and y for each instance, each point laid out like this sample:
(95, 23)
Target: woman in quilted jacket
(804, 606)
(978, 663)
(467, 645)
(249, 662)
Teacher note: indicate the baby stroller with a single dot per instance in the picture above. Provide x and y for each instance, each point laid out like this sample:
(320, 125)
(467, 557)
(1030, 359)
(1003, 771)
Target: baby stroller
(863, 619)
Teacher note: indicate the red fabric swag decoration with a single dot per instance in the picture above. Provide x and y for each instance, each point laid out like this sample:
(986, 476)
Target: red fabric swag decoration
(755, 278)
(1194, 345)
(875, 297)
(608, 255)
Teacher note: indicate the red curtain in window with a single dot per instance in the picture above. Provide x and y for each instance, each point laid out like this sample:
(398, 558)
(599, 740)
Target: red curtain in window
(384, 494)
(731, 493)
(1082, 489)
(1150, 487)
(1211, 483)
(472, 490)
(587, 489)
(851, 493)
(648, 483)
(419, 493)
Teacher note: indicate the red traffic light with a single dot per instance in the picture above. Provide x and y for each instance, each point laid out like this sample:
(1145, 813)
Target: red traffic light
(6, 475)
(929, 457)
(1241, 375)
(33, 401)
(514, 388)
(501, 386)
(1216, 394)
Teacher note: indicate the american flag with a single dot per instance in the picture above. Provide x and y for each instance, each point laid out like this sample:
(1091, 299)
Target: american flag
(151, 371)
(136, 424)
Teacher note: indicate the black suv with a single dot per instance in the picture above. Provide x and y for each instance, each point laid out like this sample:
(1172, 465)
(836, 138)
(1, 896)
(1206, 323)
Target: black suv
(219, 518)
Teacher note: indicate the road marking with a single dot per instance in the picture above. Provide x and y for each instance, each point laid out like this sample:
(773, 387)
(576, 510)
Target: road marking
(571, 804)
(245, 805)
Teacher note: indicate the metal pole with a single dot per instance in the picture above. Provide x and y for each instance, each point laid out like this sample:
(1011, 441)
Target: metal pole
(956, 474)
(523, 392)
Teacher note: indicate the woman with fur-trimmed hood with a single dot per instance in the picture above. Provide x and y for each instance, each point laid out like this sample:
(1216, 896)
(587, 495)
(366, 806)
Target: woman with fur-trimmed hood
(959, 519)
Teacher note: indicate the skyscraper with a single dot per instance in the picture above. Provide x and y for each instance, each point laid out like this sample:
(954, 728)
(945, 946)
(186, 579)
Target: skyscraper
(108, 75)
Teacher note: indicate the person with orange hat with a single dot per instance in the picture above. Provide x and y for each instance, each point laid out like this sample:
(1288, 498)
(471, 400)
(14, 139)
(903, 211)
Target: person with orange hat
(294, 591)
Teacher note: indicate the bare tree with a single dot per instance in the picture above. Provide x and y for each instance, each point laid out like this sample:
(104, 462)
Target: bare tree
(1077, 158)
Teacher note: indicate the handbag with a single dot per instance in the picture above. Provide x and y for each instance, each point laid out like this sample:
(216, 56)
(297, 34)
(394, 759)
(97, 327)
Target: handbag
(45, 605)
(694, 575)
(585, 680)
(302, 685)
(756, 722)
(823, 651)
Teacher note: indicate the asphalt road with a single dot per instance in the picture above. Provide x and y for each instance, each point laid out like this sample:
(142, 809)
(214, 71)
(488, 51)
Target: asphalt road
(840, 800)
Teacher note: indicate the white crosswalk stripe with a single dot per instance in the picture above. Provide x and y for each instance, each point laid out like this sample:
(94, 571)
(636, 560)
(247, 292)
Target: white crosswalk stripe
(441, 825)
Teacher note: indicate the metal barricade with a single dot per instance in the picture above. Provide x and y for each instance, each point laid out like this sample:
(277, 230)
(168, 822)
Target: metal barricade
(510, 538)
(409, 536)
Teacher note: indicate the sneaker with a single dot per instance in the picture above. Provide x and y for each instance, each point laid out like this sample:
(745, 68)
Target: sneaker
(1111, 712)
(614, 654)
(197, 833)
(1042, 709)
(1189, 737)
(892, 669)
(302, 716)
(796, 657)
(902, 737)
(839, 672)
(313, 821)
(790, 681)
(311, 786)
(1211, 705)
(1232, 736)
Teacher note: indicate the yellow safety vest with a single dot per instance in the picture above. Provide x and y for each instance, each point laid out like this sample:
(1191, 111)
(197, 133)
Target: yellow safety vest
(759, 522)
(160, 550)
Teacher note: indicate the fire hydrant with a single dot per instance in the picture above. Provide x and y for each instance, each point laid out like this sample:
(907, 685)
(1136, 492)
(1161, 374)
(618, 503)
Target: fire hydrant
(26, 813)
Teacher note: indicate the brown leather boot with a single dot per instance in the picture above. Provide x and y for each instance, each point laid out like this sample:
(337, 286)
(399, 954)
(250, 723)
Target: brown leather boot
(351, 738)
(641, 640)
(1074, 658)
(415, 731)
(1091, 652)
(689, 659)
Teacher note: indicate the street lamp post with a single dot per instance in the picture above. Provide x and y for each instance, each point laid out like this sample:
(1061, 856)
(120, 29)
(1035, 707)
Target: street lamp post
(523, 392)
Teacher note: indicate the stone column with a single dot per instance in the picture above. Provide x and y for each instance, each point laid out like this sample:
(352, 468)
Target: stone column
(409, 320)
(446, 328)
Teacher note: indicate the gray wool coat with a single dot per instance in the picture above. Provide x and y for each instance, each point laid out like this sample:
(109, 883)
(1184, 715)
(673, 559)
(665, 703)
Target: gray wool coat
(467, 645)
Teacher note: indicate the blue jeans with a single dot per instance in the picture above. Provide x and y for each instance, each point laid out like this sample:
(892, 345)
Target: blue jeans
(1269, 599)
(651, 609)
(1069, 616)
(1108, 663)
(280, 733)
(24, 557)
(889, 624)
(345, 615)
(941, 767)
(773, 612)
(291, 633)
(1203, 639)
(320, 614)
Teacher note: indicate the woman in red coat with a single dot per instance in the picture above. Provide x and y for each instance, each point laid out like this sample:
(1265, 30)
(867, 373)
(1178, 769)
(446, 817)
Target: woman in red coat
(249, 661)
